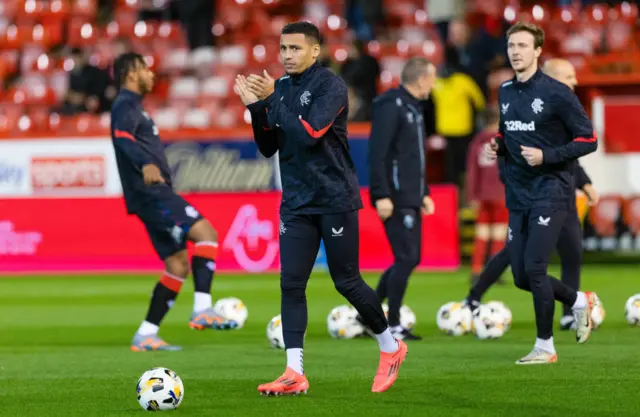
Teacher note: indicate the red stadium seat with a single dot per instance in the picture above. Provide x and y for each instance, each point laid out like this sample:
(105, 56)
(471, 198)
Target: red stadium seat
(184, 88)
(131, 5)
(9, 115)
(10, 8)
(620, 37)
(82, 33)
(14, 36)
(216, 87)
(631, 214)
(166, 118)
(85, 8)
(626, 11)
(56, 10)
(88, 124)
(32, 9)
(605, 215)
(170, 31)
(196, 118)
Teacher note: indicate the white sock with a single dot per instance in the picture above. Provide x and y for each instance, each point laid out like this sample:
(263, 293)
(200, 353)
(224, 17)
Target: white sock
(545, 345)
(396, 329)
(387, 342)
(148, 329)
(201, 301)
(294, 360)
(581, 301)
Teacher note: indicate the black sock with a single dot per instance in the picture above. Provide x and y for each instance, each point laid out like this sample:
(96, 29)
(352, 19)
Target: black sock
(164, 294)
(489, 275)
(203, 266)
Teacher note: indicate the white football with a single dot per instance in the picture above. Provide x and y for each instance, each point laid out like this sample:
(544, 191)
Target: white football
(632, 310)
(488, 322)
(504, 311)
(274, 332)
(160, 389)
(407, 316)
(598, 313)
(232, 309)
(342, 323)
(454, 318)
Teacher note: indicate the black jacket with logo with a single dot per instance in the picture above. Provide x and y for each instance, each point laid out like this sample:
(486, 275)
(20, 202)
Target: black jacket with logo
(137, 143)
(305, 120)
(397, 160)
(545, 114)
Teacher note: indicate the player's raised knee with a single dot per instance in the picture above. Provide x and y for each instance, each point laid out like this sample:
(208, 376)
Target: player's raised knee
(203, 231)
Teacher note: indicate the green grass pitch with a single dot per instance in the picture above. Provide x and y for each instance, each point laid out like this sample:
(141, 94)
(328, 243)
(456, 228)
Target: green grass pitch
(64, 351)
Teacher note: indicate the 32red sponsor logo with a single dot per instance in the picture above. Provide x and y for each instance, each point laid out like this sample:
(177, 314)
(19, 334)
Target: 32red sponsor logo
(68, 172)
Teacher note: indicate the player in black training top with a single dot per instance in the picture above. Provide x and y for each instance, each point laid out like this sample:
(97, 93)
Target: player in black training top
(543, 130)
(570, 240)
(168, 218)
(303, 117)
(397, 173)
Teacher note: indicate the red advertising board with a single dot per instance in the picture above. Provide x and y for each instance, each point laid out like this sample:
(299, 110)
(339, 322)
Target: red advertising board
(95, 234)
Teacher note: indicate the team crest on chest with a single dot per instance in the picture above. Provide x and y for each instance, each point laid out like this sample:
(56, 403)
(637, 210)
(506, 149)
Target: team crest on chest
(536, 106)
(505, 108)
(305, 98)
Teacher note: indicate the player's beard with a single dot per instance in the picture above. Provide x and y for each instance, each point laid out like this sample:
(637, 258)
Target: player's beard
(144, 87)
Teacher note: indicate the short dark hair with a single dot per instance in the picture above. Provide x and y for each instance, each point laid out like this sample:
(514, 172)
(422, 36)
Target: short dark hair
(490, 116)
(537, 32)
(308, 29)
(124, 64)
(415, 68)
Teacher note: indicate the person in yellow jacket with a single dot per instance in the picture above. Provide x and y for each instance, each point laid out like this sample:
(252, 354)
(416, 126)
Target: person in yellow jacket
(457, 99)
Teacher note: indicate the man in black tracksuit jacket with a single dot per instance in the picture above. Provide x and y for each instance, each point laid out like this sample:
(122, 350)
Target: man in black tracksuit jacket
(543, 131)
(398, 190)
(303, 117)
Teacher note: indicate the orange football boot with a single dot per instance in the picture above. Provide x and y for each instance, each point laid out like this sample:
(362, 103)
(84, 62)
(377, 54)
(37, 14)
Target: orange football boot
(290, 383)
(388, 368)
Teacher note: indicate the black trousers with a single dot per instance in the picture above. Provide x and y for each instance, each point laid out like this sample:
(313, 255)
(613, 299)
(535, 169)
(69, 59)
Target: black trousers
(531, 238)
(299, 243)
(569, 248)
(570, 251)
(455, 158)
(404, 232)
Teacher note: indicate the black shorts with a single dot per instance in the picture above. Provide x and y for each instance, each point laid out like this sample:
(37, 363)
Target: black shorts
(168, 219)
